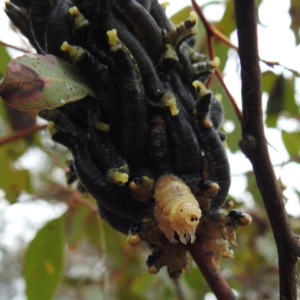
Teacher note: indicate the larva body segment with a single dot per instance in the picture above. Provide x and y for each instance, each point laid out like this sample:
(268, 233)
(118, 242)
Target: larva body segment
(58, 28)
(114, 197)
(176, 209)
(134, 109)
(20, 18)
(147, 32)
(38, 14)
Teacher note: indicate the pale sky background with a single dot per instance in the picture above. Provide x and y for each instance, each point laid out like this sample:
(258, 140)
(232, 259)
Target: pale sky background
(276, 43)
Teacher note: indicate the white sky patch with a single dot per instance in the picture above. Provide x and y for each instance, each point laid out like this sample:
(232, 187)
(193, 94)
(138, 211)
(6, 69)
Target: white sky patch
(34, 215)
(292, 206)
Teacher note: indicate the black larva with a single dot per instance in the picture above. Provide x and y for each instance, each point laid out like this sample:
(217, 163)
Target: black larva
(149, 124)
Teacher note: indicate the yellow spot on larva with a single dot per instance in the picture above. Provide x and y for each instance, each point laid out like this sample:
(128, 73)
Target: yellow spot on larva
(74, 52)
(121, 177)
(74, 11)
(193, 17)
(246, 220)
(65, 46)
(215, 62)
(102, 126)
(200, 87)
(184, 271)
(113, 39)
(49, 267)
(152, 270)
(214, 187)
(133, 240)
(79, 20)
(51, 128)
(148, 180)
(117, 176)
(197, 84)
(169, 100)
(132, 185)
(206, 122)
(219, 97)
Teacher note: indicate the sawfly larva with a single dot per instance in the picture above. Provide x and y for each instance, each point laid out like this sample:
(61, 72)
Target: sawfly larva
(176, 209)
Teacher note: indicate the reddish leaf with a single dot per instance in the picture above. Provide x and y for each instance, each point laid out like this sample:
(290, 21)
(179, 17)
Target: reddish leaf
(34, 82)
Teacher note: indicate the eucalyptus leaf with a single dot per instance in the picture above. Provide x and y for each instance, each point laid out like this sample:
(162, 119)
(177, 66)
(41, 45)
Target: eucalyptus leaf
(44, 261)
(181, 15)
(34, 82)
(291, 141)
(5, 59)
(295, 18)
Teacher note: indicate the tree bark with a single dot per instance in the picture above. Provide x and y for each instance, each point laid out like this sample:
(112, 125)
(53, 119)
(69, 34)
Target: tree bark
(254, 145)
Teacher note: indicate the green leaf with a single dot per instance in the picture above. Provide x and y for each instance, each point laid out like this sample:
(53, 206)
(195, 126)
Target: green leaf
(295, 18)
(92, 229)
(275, 101)
(13, 181)
(289, 104)
(291, 141)
(34, 82)
(5, 59)
(281, 99)
(227, 24)
(233, 138)
(181, 15)
(75, 224)
(268, 81)
(44, 261)
(113, 241)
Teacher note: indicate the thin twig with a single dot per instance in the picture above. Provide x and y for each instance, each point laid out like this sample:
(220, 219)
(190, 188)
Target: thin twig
(15, 47)
(254, 145)
(232, 100)
(77, 198)
(206, 263)
(212, 32)
(21, 134)
(178, 290)
(55, 159)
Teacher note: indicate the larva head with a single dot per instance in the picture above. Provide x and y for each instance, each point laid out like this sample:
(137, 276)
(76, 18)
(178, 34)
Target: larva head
(189, 213)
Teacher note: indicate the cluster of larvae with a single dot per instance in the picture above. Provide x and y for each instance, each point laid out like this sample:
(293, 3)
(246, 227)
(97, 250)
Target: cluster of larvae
(148, 149)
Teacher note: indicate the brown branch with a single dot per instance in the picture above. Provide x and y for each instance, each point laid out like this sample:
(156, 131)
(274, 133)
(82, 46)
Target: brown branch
(21, 134)
(210, 29)
(206, 263)
(254, 145)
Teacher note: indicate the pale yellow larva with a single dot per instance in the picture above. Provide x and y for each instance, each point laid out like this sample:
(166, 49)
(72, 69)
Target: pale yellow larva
(176, 209)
